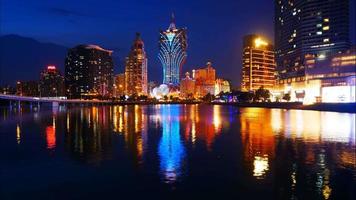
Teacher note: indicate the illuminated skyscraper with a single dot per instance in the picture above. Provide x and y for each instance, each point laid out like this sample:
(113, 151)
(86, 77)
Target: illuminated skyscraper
(172, 52)
(51, 82)
(317, 27)
(89, 72)
(258, 64)
(136, 69)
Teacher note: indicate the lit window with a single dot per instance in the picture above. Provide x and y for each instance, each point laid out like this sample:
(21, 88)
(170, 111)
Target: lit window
(319, 33)
(326, 28)
(326, 20)
(318, 25)
(326, 40)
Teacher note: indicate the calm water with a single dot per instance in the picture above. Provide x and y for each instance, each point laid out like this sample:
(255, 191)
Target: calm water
(177, 152)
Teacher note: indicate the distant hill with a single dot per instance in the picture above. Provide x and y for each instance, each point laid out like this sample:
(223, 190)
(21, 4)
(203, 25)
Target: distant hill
(23, 58)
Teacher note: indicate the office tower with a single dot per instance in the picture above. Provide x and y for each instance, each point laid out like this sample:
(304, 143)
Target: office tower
(172, 52)
(204, 80)
(258, 64)
(136, 69)
(51, 82)
(315, 27)
(89, 72)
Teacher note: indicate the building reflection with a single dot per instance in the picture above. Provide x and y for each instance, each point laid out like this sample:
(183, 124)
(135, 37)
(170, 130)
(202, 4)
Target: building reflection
(171, 150)
(298, 148)
(132, 123)
(258, 141)
(203, 124)
(88, 136)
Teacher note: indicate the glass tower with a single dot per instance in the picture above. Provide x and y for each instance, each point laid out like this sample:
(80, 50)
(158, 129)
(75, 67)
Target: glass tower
(315, 27)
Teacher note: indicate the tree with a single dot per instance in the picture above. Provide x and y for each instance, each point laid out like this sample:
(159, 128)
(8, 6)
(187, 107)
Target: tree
(245, 96)
(208, 97)
(286, 97)
(262, 94)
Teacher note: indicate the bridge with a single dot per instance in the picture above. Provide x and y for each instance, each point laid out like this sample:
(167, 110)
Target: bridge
(54, 101)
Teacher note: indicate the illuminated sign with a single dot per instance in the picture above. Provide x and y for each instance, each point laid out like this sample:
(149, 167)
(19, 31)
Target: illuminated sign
(51, 67)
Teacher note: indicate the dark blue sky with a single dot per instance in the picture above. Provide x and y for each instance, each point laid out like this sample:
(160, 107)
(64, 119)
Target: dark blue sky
(215, 28)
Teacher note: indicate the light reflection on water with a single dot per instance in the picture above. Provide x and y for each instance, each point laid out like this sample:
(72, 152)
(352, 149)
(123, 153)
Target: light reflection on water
(171, 150)
(288, 149)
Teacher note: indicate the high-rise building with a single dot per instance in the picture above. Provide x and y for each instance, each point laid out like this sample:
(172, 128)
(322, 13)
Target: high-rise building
(136, 69)
(89, 72)
(51, 82)
(205, 80)
(187, 87)
(119, 85)
(27, 88)
(172, 52)
(258, 64)
(317, 27)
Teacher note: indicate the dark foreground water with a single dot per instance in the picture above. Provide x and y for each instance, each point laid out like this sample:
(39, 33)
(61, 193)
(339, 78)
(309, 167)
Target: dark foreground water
(176, 152)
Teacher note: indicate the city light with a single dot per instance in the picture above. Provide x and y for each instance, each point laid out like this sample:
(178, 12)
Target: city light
(259, 42)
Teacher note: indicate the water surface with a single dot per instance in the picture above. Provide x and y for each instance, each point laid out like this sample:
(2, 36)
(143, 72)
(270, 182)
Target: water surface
(176, 152)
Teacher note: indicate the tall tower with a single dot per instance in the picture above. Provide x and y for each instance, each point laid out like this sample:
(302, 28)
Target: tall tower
(136, 69)
(172, 52)
(258, 64)
(316, 28)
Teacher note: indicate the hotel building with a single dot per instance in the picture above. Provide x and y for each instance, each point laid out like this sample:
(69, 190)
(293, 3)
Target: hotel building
(187, 87)
(317, 27)
(258, 64)
(136, 69)
(89, 72)
(172, 53)
(204, 80)
(312, 40)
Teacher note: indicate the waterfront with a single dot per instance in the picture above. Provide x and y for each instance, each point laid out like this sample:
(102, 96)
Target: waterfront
(177, 151)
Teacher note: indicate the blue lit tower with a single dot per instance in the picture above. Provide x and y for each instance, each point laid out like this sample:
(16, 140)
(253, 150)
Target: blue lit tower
(172, 52)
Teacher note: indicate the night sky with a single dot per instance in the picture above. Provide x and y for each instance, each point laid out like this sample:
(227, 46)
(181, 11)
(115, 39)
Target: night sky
(215, 28)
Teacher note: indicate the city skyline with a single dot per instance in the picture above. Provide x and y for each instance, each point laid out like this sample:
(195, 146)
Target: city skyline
(72, 20)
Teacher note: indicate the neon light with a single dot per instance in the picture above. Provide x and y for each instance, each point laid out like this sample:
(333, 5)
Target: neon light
(172, 54)
(51, 67)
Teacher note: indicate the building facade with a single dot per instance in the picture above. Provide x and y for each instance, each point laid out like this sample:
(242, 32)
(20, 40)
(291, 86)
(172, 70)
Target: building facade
(258, 64)
(329, 79)
(172, 52)
(27, 88)
(222, 85)
(204, 80)
(51, 83)
(120, 85)
(187, 87)
(89, 72)
(317, 27)
(136, 69)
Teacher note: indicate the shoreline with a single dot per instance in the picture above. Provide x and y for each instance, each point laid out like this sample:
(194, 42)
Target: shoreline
(327, 107)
